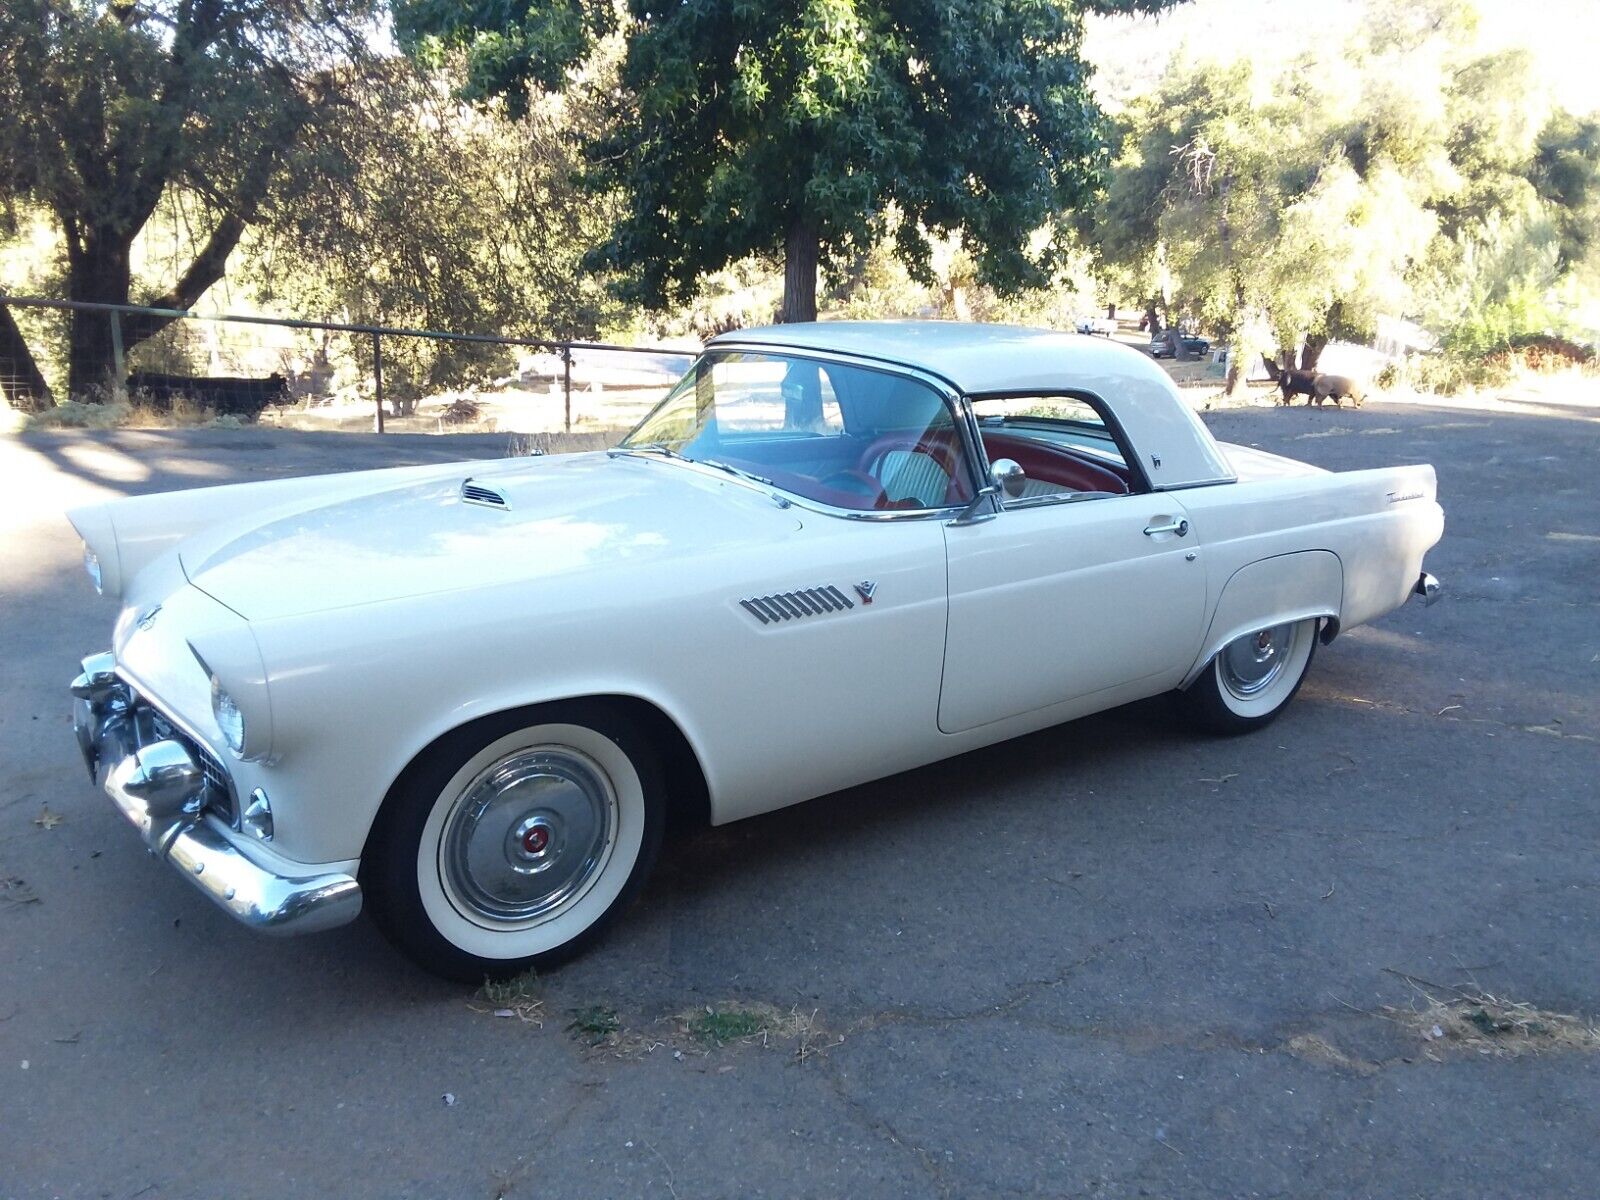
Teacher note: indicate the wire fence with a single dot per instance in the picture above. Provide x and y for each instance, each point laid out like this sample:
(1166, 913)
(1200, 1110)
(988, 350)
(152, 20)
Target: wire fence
(312, 374)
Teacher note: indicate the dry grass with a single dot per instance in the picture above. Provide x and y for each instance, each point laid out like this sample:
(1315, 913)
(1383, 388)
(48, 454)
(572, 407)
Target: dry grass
(1313, 1048)
(700, 1032)
(117, 414)
(1477, 1022)
(515, 999)
(757, 1024)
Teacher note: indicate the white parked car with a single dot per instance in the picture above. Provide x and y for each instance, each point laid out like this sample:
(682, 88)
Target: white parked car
(466, 696)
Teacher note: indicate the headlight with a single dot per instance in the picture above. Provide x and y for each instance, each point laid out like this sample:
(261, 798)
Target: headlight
(229, 719)
(91, 564)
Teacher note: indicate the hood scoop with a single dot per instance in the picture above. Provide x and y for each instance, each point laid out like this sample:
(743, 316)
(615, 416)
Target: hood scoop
(474, 492)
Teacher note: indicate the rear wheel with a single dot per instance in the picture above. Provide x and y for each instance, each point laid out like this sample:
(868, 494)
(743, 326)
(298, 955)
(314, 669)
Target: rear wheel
(1252, 678)
(513, 841)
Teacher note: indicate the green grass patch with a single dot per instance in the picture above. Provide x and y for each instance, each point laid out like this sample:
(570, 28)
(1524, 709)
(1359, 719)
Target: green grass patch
(718, 1026)
(595, 1024)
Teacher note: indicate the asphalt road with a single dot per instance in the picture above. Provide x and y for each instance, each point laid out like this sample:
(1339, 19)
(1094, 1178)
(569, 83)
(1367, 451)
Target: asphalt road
(1111, 959)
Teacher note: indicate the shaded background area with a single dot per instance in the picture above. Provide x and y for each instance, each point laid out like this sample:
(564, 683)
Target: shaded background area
(1111, 958)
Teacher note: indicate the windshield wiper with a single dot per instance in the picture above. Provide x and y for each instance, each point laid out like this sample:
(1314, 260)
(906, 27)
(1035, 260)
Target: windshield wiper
(660, 448)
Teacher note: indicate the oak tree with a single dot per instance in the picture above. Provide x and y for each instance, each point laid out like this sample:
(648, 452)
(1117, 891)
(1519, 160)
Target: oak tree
(109, 105)
(811, 128)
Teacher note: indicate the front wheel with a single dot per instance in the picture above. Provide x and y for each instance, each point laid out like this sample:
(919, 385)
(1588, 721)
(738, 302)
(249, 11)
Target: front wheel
(513, 841)
(1252, 679)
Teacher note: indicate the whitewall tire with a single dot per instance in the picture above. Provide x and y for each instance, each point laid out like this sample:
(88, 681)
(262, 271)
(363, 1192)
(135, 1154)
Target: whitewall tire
(510, 843)
(1252, 679)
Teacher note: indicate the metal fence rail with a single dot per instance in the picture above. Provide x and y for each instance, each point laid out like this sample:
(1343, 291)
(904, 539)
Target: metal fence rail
(363, 342)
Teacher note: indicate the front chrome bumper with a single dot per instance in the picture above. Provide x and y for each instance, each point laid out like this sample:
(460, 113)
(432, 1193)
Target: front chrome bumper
(156, 784)
(1428, 588)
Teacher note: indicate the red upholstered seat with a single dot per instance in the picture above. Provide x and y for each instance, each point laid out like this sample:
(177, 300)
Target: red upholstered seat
(1050, 464)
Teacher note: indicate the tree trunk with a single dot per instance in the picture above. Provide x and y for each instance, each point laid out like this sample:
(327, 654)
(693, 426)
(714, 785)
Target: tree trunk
(1237, 370)
(800, 250)
(207, 268)
(1312, 353)
(956, 297)
(99, 270)
(20, 380)
(1152, 317)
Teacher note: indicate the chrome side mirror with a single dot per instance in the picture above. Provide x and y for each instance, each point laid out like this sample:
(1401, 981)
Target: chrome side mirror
(1008, 473)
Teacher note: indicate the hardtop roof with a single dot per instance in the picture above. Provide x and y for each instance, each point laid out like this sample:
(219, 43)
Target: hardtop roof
(973, 357)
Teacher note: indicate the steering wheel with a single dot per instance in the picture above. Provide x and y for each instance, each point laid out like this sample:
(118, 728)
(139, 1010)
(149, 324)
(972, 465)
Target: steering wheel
(857, 483)
(937, 447)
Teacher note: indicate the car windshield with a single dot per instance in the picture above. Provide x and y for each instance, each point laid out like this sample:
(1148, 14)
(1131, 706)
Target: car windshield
(844, 436)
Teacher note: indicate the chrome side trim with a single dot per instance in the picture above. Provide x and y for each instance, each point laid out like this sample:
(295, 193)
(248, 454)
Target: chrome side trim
(1196, 483)
(1053, 498)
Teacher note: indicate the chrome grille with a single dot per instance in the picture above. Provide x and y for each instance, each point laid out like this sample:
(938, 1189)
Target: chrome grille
(787, 606)
(219, 795)
(219, 788)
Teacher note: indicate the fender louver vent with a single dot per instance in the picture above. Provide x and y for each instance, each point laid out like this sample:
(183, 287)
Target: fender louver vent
(787, 606)
(473, 492)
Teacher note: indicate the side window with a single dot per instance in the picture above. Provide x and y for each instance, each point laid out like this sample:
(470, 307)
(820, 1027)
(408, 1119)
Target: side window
(1062, 443)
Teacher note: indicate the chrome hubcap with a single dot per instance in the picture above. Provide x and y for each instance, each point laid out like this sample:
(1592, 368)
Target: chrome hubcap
(1250, 664)
(529, 834)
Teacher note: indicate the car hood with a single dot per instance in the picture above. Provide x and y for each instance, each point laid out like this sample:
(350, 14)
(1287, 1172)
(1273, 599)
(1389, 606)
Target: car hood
(563, 515)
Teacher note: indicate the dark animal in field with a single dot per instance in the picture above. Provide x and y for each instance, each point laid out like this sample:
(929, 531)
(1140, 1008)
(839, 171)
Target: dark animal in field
(1292, 382)
(223, 395)
(1337, 388)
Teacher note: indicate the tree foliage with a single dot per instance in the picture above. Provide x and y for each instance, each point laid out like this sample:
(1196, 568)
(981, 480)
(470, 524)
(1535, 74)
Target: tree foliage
(112, 105)
(811, 128)
(1434, 180)
(439, 216)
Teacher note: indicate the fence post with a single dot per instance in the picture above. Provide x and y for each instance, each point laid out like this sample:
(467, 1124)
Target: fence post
(377, 379)
(119, 374)
(566, 384)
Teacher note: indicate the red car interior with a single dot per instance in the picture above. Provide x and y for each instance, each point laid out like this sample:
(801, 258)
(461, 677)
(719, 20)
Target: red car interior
(840, 470)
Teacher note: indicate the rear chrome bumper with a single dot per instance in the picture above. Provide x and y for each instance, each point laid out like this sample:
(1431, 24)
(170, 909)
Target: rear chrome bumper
(156, 784)
(1428, 588)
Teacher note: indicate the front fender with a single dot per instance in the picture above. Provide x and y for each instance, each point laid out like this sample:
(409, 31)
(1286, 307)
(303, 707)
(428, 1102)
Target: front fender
(1272, 591)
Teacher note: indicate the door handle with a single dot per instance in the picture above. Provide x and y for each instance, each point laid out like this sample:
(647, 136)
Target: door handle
(1179, 527)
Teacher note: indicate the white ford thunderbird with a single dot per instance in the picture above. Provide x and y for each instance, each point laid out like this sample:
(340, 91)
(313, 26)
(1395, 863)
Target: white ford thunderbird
(467, 696)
